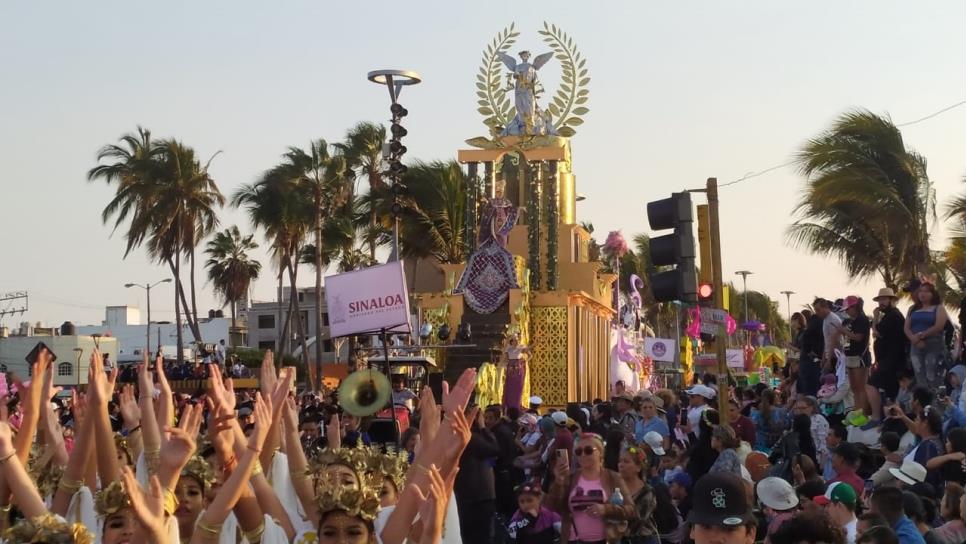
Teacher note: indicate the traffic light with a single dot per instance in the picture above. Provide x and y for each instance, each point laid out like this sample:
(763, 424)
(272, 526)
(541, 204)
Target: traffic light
(675, 249)
(705, 295)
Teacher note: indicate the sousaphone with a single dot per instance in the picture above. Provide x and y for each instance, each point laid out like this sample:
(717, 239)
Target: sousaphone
(364, 392)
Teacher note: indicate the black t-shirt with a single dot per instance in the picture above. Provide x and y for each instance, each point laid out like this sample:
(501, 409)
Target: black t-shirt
(813, 339)
(859, 325)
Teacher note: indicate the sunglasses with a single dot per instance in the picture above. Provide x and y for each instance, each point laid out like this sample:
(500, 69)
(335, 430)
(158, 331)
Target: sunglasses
(586, 450)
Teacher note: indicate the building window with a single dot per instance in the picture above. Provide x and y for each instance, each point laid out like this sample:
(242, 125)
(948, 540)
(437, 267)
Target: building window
(266, 321)
(304, 316)
(65, 369)
(327, 346)
(325, 319)
(266, 344)
(3, 368)
(301, 296)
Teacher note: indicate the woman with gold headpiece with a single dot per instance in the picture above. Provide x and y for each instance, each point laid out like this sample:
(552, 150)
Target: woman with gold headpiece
(38, 525)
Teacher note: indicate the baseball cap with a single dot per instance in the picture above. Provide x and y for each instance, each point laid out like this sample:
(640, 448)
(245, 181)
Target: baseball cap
(702, 390)
(560, 418)
(655, 441)
(850, 301)
(623, 396)
(910, 472)
(683, 479)
(837, 492)
(776, 493)
(720, 499)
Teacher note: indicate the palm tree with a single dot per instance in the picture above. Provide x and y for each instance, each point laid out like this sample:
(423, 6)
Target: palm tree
(867, 199)
(279, 206)
(185, 207)
(323, 176)
(433, 212)
(230, 270)
(362, 149)
(168, 200)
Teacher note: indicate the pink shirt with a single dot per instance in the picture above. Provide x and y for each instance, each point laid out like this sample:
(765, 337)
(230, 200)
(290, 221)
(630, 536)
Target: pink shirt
(585, 526)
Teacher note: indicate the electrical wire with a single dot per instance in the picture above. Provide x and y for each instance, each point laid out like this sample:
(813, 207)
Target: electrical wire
(752, 175)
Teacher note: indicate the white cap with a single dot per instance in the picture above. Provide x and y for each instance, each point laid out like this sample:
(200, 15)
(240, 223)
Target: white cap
(536, 400)
(702, 390)
(560, 418)
(777, 493)
(655, 441)
(910, 472)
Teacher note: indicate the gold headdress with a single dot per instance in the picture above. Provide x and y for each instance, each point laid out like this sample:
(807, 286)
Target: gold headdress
(200, 470)
(48, 529)
(48, 478)
(362, 502)
(122, 445)
(111, 500)
(392, 464)
(355, 458)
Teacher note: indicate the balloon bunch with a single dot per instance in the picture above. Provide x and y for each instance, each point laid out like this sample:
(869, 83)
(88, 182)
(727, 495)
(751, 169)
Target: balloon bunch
(694, 329)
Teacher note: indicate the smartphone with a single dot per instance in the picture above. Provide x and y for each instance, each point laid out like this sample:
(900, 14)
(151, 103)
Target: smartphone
(34, 354)
(869, 484)
(942, 390)
(562, 454)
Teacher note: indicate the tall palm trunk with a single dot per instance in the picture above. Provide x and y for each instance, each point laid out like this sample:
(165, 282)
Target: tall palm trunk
(280, 342)
(194, 302)
(177, 306)
(233, 324)
(318, 290)
(297, 317)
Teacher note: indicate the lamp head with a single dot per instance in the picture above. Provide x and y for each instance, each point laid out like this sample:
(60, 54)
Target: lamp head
(128, 285)
(166, 280)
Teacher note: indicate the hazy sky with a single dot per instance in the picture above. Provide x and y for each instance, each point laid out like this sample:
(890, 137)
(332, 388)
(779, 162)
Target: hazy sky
(681, 91)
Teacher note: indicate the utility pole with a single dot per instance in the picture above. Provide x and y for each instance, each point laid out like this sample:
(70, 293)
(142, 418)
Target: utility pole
(719, 345)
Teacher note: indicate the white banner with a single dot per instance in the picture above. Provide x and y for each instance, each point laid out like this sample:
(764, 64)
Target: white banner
(736, 358)
(368, 301)
(660, 349)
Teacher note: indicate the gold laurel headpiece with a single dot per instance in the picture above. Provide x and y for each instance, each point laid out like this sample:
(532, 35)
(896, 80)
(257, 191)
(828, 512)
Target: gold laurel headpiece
(121, 444)
(48, 478)
(392, 464)
(111, 500)
(200, 470)
(355, 458)
(362, 502)
(48, 529)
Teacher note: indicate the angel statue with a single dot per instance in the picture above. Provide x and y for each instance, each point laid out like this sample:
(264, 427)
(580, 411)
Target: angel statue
(530, 119)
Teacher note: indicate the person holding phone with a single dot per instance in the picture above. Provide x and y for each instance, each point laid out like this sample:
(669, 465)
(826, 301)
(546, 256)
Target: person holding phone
(585, 497)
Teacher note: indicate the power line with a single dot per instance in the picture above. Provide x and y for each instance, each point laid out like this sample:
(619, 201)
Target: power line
(752, 175)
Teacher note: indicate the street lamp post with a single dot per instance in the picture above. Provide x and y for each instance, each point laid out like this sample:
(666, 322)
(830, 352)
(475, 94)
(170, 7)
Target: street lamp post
(147, 288)
(744, 277)
(788, 303)
(395, 80)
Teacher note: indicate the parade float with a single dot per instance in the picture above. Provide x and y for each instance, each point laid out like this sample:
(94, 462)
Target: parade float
(529, 279)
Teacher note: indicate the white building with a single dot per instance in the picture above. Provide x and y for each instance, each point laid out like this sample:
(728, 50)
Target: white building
(73, 355)
(264, 325)
(124, 324)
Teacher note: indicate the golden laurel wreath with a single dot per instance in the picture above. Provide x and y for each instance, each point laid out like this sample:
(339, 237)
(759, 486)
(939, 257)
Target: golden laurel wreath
(567, 105)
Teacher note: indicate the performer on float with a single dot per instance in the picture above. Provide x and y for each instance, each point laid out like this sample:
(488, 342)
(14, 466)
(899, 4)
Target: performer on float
(490, 274)
(516, 372)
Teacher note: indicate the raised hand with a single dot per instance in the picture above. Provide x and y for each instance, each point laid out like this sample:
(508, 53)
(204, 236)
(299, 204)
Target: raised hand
(280, 392)
(130, 411)
(457, 427)
(456, 398)
(267, 374)
(429, 415)
(333, 432)
(263, 422)
(6, 440)
(99, 385)
(178, 443)
(222, 392)
(147, 506)
(433, 507)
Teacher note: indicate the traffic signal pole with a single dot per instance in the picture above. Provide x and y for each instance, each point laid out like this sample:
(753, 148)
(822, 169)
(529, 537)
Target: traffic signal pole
(720, 346)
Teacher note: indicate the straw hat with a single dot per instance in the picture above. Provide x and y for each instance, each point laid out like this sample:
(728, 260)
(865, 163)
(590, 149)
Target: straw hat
(885, 292)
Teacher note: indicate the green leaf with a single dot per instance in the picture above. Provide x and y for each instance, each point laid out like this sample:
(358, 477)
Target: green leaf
(561, 103)
(481, 86)
(565, 88)
(583, 92)
(543, 32)
(483, 102)
(481, 94)
(581, 100)
(553, 109)
(580, 111)
(566, 132)
(584, 82)
(575, 121)
(553, 28)
(485, 111)
(561, 56)
(582, 73)
(581, 63)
